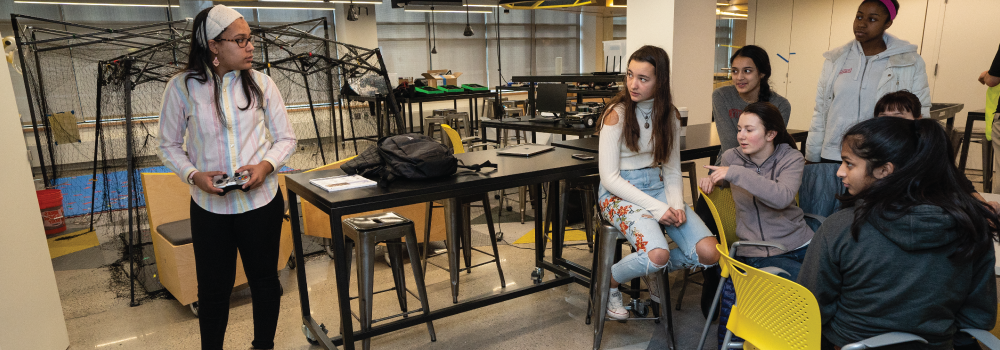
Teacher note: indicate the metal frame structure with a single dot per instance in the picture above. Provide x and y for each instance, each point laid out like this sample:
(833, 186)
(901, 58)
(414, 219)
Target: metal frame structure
(143, 65)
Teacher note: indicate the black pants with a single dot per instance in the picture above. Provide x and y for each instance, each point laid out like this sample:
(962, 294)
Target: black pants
(256, 234)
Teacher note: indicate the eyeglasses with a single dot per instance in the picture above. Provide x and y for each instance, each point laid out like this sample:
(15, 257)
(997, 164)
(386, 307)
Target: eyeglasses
(242, 42)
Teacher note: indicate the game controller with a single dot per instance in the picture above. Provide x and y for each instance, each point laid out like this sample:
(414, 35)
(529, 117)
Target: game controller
(227, 183)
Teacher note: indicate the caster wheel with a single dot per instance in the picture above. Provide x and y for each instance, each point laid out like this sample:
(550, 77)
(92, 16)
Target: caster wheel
(496, 196)
(536, 276)
(499, 236)
(194, 308)
(638, 307)
(291, 263)
(309, 336)
(510, 208)
(588, 320)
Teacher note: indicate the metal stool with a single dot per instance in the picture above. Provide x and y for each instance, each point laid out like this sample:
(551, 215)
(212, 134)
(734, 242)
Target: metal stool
(974, 134)
(607, 249)
(443, 112)
(367, 231)
(488, 111)
(460, 238)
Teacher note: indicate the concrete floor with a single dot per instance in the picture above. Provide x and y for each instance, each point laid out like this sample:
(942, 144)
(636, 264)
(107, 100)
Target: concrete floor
(98, 314)
(552, 319)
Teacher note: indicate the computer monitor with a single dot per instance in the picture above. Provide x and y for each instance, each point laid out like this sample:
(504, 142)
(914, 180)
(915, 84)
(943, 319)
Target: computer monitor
(551, 98)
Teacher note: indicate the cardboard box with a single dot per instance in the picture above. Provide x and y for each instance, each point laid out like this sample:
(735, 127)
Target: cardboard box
(439, 77)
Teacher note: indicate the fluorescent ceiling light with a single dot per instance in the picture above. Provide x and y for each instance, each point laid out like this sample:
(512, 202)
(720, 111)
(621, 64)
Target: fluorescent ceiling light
(278, 5)
(469, 3)
(733, 14)
(611, 3)
(135, 3)
(358, 2)
(442, 9)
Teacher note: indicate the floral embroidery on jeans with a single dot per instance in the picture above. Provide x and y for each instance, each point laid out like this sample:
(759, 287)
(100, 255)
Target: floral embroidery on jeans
(618, 214)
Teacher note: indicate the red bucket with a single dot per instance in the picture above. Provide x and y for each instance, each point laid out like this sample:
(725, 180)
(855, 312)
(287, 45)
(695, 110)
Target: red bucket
(50, 202)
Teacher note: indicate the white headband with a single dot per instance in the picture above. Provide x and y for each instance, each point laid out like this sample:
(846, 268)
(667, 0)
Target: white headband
(219, 17)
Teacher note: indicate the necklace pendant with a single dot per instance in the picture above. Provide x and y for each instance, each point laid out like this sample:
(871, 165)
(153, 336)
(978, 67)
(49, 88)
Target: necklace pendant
(647, 125)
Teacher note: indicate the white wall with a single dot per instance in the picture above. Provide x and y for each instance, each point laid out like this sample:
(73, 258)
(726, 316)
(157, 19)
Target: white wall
(968, 43)
(686, 28)
(32, 316)
(361, 32)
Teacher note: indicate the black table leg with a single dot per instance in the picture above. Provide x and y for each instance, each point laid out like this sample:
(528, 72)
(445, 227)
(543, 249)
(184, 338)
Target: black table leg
(965, 143)
(559, 224)
(343, 278)
(300, 273)
(420, 106)
(536, 203)
(409, 105)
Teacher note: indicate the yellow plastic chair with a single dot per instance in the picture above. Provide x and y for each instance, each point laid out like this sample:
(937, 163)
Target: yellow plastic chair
(774, 313)
(723, 207)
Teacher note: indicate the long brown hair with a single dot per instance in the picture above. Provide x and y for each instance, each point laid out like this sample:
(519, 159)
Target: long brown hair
(663, 107)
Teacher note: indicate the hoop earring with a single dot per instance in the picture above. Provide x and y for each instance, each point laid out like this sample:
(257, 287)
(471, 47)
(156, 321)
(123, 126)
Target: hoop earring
(216, 61)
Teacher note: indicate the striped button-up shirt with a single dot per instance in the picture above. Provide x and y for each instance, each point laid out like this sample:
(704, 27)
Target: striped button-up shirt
(211, 146)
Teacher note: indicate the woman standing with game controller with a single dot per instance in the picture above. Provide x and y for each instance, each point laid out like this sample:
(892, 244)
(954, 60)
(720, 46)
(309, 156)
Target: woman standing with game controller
(226, 109)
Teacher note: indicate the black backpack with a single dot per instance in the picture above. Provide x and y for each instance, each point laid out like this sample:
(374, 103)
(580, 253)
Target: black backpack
(411, 156)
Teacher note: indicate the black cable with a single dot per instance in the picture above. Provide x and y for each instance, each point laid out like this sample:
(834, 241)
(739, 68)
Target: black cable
(499, 64)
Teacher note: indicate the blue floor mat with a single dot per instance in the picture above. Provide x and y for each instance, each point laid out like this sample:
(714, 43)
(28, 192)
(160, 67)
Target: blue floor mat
(77, 191)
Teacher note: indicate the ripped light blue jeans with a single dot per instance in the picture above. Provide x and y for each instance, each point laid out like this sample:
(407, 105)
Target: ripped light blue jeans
(644, 231)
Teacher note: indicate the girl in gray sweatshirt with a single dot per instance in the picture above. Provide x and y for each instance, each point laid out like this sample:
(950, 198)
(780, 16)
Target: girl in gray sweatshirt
(765, 172)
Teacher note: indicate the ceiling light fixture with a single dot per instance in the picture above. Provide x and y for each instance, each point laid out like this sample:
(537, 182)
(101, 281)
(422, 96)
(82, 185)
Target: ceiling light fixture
(611, 3)
(277, 5)
(733, 14)
(468, 26)
(133, 3)
(445, 9)
(369, 2)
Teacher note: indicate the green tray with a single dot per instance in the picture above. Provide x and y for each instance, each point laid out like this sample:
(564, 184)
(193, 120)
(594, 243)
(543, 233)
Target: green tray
(475, 87)
(451, 88)
(428, 90)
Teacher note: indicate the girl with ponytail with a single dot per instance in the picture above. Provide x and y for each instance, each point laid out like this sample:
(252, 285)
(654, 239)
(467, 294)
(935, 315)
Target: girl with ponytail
(751, 83)
(912, 251)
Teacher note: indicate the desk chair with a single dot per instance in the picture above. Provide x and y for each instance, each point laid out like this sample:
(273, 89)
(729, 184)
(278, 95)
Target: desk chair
(462, 231)
(775, 313)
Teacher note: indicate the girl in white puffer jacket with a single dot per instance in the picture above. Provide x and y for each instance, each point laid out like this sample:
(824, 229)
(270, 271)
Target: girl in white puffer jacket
(857, 74)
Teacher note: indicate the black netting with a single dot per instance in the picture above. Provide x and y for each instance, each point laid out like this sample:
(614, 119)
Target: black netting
(112, 80)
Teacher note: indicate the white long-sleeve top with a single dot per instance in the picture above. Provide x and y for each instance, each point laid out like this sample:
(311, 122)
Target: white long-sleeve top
(614, 156)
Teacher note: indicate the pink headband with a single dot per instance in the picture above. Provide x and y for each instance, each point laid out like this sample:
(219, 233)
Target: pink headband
(892, 9)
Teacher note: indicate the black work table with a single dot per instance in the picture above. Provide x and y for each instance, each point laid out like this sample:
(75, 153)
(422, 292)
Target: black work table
(701, 141)
(419, 99)
(523, 123)
(511, 172)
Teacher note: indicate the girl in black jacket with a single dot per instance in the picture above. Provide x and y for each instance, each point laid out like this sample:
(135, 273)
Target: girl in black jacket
(912, 251)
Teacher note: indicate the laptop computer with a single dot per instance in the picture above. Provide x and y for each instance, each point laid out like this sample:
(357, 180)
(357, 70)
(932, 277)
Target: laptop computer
(526, 150)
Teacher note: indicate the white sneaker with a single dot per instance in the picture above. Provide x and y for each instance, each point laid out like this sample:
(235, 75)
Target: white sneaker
(615, 309)
(652, 282)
